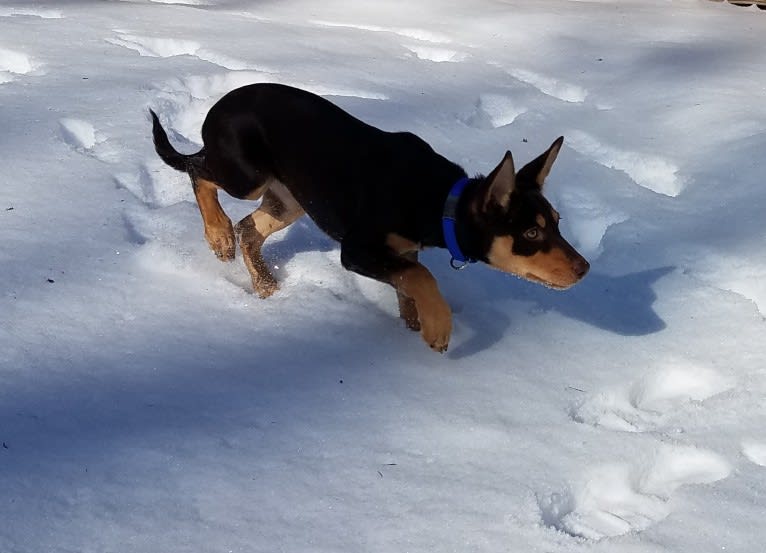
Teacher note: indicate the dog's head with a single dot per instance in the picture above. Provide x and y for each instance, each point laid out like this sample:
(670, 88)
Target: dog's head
(519, 227)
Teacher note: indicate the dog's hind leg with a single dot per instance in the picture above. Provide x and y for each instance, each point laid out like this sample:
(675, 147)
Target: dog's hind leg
(278, 210)
(218, 230)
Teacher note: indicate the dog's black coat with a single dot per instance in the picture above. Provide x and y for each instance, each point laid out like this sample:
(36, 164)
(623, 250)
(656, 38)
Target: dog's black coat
(366, 188)
(346, 174)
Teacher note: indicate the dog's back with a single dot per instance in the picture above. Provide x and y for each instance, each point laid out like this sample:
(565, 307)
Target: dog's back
(337, 167)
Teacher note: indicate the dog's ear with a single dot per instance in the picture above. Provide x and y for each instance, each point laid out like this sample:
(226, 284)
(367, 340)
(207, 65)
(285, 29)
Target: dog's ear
(538, 169)
(500, 183)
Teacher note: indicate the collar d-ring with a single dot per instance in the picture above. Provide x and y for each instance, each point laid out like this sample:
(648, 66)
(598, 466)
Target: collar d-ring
(458, 265)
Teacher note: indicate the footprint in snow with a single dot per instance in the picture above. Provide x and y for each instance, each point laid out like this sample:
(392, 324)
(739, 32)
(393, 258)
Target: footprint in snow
(422, 35)
(156, 185)
(30, 12)
(84, 138)
(183, 2)
(435, 54)
(429, 45)
(586, 218)
(648, 403)
(158, 47)
(612, 500)
(547, 85)
(80, 134)
(493, 111)
(755, 452)
(649, 171)
(14, 63)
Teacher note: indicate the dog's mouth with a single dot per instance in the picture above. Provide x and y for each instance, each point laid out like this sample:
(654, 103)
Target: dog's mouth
(547, 283)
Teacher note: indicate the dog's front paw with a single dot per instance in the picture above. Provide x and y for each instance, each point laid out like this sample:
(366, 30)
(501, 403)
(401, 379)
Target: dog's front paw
(436, 325)
(222, 242)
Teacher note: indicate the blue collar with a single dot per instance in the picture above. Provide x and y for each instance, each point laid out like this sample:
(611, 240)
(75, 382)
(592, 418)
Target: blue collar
(458, 261)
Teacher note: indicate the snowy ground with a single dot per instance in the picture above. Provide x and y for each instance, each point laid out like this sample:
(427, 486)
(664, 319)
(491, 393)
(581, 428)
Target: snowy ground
(149, 402)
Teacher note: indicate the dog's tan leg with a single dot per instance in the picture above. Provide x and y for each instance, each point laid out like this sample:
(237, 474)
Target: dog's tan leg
(278, 210)
(387, 262)
(408, 311)
(433, 313)
(218, 230)
(407, 308)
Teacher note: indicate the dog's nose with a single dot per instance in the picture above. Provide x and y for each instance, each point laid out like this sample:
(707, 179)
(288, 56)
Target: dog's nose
(581, 267)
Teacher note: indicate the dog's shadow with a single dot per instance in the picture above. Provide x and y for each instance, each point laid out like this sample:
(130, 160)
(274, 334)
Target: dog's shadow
(622, 305)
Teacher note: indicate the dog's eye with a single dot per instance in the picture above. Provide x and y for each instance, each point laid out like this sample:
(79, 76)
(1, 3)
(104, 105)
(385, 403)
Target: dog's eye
(533, 234)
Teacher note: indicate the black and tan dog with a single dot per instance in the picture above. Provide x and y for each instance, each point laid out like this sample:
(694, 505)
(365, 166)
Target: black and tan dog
(384, 196)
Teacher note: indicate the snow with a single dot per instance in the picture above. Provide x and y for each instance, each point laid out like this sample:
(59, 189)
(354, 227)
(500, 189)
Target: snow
(13, 63)
(617, 499)
(755, 452)
(79, 134)
(151, 402)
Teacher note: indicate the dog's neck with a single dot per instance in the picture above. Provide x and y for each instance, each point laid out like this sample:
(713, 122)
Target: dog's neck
(450, 228)
(464, 215)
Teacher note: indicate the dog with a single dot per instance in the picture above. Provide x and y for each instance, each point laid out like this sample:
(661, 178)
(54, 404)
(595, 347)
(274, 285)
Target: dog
(383, 196)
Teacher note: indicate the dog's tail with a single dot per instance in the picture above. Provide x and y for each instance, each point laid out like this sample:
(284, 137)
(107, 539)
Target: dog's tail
(168, 154)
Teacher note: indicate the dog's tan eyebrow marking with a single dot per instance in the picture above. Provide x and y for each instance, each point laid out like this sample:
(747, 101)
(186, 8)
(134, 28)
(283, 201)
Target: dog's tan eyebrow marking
(540, 220)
